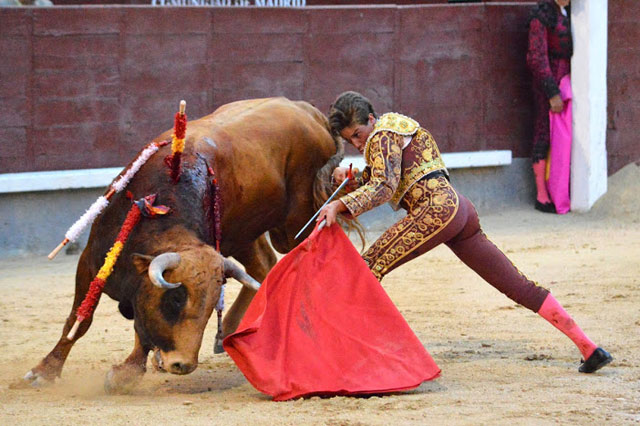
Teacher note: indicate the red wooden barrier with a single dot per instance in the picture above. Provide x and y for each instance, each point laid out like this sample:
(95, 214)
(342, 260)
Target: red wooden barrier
(84, 87)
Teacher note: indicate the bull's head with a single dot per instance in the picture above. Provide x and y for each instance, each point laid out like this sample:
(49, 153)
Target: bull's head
(175, 301)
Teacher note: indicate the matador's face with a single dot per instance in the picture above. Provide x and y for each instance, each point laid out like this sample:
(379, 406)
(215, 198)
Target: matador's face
(563, 3)
(357, 134)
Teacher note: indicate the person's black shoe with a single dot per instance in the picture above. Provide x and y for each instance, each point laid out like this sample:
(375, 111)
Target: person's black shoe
(598, 359)
(545, 207)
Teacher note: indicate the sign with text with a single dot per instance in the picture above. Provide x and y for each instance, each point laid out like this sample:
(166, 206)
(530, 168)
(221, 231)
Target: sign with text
(230, 3)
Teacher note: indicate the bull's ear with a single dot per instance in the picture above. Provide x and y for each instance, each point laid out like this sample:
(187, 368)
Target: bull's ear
(141, 262)
(126, 309)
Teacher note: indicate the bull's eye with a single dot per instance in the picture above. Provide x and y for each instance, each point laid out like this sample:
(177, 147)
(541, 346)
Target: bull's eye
(172, 303)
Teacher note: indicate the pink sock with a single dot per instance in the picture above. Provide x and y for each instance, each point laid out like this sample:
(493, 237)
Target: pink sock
(553, 312)
(539, 171)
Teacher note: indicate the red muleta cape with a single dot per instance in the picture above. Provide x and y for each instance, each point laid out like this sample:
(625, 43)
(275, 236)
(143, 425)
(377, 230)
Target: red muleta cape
(321, 324)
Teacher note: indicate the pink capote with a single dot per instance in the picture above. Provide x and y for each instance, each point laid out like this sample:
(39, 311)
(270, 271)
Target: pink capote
(321, 324)
(560, 151)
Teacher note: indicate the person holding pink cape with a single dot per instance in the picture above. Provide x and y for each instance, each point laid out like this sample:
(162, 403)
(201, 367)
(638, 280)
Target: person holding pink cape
(549, 59)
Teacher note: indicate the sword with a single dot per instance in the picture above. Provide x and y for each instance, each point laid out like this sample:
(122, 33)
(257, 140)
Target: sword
(344, 182)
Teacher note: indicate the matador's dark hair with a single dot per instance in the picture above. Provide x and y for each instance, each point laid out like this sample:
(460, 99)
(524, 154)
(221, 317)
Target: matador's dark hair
(349, 108)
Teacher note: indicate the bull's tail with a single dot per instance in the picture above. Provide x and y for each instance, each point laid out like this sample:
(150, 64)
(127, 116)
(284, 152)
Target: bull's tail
(322, 189)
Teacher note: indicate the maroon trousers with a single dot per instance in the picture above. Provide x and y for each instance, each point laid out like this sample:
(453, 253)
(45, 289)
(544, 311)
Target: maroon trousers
(437, 214)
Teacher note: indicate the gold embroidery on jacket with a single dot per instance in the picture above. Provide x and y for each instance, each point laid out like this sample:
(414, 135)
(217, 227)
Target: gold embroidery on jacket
(392, 167)
(431, 205)
(424, 157)
(393, 122)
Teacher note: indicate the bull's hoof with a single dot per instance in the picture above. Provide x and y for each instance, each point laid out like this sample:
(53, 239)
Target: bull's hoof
(122, 379)
(32, 379)
(217, 346)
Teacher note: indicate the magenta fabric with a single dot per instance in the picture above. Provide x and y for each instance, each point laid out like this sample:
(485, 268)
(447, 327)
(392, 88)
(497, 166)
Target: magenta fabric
(560, 151)
(321, 324)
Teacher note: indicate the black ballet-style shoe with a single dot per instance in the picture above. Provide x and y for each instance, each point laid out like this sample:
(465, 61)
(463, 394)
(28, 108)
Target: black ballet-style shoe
(545, 207)
(598, 359)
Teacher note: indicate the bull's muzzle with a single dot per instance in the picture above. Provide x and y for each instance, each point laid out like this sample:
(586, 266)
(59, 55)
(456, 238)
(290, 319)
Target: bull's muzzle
(181, 368)
(174, 363)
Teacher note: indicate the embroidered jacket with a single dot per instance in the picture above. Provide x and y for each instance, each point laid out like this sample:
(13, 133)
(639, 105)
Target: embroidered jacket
(398, 154)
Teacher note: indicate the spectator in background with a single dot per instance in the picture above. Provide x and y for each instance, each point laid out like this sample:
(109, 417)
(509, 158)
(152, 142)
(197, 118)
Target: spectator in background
(549, 59)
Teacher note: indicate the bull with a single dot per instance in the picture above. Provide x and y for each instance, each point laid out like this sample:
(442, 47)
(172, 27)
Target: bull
(272, 159)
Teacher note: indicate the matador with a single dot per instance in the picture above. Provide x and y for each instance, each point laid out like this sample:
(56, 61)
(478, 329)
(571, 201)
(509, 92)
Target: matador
(405, 168)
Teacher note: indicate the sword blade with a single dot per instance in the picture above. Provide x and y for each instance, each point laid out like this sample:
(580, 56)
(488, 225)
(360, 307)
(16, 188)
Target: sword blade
(344, 182)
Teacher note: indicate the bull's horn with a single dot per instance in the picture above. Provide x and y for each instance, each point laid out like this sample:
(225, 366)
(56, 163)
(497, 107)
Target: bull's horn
(234, 271)
(160, 264)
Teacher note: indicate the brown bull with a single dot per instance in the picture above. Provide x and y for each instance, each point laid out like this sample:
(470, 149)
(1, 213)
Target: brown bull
(270, 157)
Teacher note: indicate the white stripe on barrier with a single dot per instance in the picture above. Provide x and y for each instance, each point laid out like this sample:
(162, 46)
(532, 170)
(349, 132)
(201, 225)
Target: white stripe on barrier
(57, 180)
(454, 160)
(98, 178)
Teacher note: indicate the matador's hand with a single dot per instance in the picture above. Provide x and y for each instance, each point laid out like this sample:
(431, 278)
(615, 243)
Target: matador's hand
(340, 174)
(331, 211)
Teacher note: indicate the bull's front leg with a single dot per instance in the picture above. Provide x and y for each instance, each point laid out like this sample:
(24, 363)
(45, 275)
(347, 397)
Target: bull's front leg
(233, 317)
(124, 377)
(257, 259)
(51, 366)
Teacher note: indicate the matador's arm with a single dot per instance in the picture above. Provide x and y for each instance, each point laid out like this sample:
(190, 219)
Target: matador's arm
(385, 153)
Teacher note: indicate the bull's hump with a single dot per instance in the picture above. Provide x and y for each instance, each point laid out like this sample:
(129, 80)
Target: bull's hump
(240, 109)
(256, 109)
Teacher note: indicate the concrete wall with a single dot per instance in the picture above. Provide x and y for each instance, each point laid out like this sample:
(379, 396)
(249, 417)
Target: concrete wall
(35, 222)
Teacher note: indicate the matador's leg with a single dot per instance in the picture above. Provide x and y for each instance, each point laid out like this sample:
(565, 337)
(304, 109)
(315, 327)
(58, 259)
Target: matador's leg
(481, 255)
(473, 247)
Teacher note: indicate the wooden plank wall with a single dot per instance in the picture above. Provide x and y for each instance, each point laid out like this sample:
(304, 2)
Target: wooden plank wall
(85, 87)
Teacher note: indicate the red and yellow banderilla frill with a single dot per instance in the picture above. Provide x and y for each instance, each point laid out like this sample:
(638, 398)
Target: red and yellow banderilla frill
(177, 143)
(142, 207)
